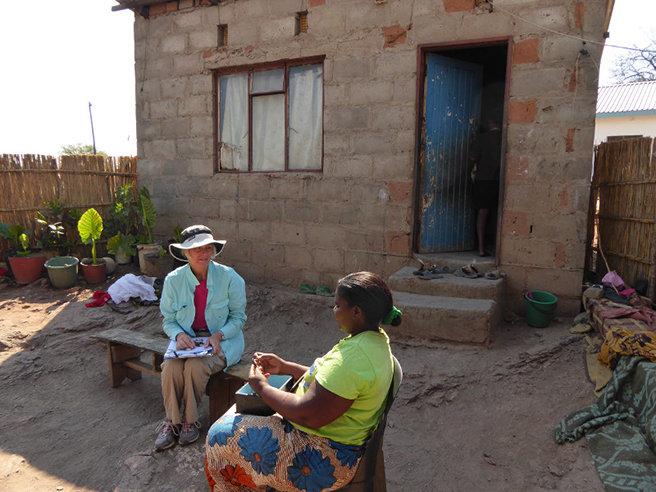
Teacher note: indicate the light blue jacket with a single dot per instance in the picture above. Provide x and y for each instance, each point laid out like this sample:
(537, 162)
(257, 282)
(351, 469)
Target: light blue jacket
(225, 310)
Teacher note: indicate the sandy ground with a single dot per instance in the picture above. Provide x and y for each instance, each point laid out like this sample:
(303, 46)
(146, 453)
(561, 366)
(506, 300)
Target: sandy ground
(466, 419)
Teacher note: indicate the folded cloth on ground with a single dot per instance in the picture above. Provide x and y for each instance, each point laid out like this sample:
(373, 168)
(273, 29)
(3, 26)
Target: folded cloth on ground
(129, 286)
(101, 297)
(620, 341)
(618, 427)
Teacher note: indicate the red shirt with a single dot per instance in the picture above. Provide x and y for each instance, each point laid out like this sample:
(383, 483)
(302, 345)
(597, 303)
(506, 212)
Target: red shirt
(200, 302)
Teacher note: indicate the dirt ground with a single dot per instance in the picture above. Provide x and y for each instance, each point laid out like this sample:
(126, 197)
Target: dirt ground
(466, 419)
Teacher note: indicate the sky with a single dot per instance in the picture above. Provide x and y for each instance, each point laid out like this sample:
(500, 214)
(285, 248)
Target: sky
(56, 57)
(630, 24)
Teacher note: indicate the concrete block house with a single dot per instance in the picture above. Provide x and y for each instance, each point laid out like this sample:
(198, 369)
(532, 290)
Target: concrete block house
(321, 137)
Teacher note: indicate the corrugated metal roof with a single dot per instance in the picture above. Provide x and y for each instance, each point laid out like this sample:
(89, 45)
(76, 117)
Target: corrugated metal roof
(622, 98)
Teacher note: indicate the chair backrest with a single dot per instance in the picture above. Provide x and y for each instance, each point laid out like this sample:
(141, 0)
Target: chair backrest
(396, 384)
(363, 481)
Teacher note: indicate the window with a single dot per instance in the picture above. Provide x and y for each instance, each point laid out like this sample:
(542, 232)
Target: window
(271, 118)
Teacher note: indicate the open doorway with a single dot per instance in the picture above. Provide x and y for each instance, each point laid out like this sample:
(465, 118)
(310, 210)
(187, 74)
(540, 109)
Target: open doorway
(462, 95)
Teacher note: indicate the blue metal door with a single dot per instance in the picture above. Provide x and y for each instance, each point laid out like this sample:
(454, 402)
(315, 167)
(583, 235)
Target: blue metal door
(452, 112)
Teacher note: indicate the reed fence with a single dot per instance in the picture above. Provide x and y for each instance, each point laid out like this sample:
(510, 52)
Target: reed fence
(622, 217)
(77, 181)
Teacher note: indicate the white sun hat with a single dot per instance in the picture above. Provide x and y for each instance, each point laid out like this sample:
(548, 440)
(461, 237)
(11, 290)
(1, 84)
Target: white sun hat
(195, 236)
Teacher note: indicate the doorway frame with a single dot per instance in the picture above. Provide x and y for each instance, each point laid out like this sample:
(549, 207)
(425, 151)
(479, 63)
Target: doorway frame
(422, 50)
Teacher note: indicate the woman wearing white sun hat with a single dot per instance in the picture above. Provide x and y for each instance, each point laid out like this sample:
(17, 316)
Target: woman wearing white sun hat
(202, 298)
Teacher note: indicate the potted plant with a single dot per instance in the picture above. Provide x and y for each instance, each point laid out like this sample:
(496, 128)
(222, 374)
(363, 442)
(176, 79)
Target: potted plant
(148, 216)
(26, 266)
(122, 218)
(90, 227)
(122, 246)
(52, 235)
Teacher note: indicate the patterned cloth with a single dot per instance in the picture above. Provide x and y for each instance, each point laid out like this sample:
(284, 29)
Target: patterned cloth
(619, 429)
(620, 341)
(625, 330)
(250, 452)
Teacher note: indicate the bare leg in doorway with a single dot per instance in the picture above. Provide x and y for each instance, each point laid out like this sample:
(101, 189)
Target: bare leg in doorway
(481, 220)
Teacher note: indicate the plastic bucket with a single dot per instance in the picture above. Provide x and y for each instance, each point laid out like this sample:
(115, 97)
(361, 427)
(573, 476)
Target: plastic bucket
(540, 307)
(62, 271)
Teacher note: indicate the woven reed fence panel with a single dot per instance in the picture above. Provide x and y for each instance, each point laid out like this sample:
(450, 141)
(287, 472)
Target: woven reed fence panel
(78, 181)
(622, 225)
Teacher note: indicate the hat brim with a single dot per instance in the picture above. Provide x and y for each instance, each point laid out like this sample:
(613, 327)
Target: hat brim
(176, 248)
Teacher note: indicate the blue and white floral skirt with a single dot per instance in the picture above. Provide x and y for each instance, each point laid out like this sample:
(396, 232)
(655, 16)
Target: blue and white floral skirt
(249, 452)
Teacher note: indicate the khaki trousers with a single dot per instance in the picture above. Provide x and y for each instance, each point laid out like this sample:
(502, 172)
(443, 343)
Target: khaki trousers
(184, 381)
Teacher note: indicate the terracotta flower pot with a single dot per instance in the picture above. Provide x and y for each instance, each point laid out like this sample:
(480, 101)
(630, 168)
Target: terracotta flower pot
(27, 269)
(94, 274)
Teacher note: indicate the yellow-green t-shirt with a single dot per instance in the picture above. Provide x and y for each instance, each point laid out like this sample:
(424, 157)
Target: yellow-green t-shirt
(358, 368)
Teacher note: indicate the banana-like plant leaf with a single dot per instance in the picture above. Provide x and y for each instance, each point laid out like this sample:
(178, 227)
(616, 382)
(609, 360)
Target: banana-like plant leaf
(148, 216)
(90, 227)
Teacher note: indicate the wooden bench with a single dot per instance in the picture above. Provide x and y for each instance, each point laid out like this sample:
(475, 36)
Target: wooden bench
(124, 352)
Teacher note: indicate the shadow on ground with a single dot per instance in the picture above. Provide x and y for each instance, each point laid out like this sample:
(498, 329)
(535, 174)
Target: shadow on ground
(466, 419)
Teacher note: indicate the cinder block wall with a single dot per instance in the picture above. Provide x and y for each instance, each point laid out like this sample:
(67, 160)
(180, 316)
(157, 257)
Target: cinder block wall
(357, 214)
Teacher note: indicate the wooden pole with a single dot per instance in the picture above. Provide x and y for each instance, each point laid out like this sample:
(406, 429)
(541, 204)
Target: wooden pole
(93, 136)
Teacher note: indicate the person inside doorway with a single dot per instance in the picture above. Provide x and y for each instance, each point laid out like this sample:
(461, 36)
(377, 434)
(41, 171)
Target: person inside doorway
(486, 158)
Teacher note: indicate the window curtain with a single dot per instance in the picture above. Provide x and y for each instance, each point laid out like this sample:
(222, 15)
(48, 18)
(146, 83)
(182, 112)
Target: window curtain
(233, 104)
(269, 133)
(305, 116)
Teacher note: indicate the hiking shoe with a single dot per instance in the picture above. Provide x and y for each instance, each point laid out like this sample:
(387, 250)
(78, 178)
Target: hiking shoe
(189, 433)
(167, 434)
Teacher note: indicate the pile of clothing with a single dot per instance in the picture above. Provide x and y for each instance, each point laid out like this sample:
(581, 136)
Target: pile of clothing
(622, 362)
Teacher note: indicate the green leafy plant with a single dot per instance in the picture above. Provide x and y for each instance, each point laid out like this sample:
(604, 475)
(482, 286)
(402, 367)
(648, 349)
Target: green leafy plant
(17, 235)
(4, 231)
(90, 227)
(124, 242)
(177, 234)
(161, 252)
(73, 215)
(56, 209)
(148, 212)
(123, 211)
(52, 234)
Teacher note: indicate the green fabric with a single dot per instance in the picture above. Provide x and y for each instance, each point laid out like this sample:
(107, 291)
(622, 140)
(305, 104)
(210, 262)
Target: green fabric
(321, 290)
(391, 316)
(619, 427)
(306, 289)
(358, 368)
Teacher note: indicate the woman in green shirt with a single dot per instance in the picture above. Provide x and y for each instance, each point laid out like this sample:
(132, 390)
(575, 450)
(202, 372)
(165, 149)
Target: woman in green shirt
(314, 441)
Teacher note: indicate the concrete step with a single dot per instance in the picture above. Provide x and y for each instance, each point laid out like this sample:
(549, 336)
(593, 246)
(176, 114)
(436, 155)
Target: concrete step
(458, 259)
(448, 319)
(448, 286)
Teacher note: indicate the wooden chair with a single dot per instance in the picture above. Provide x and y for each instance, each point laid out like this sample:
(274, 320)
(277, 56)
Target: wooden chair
(370, 476)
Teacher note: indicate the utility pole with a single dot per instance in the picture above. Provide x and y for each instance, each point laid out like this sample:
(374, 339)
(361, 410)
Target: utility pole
(93, 136)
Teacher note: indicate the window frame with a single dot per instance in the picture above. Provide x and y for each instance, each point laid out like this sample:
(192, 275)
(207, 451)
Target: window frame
(286, 65)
